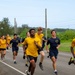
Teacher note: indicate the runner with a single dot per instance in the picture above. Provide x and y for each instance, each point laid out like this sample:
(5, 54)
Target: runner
(8, 39)
(31, 51)
(15, 47)
(40, 35)
(53, 51)
(3, 46)
(24, 48)
(72, 59)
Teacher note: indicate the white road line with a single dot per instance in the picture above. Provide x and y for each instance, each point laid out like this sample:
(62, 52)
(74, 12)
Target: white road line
(12, 68)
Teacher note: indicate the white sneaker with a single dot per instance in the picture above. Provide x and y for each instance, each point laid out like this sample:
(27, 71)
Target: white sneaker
(27, 72)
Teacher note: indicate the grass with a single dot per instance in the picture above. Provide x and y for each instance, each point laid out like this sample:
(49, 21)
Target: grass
(65, 47)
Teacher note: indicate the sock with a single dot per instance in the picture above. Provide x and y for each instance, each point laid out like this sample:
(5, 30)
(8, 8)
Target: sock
(14, 60)
(55, 70)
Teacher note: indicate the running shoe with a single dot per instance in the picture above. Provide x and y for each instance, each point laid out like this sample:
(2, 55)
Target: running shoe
(71, 61)
(56, 73)
(15, 62)
(41, 66)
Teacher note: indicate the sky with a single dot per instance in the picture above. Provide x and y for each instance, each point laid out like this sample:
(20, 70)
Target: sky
(60, 13)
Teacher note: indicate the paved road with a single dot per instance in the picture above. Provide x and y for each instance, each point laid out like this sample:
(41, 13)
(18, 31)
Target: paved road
(7, 67)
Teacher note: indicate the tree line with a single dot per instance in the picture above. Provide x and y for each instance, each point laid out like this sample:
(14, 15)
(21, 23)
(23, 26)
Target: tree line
(7, 28)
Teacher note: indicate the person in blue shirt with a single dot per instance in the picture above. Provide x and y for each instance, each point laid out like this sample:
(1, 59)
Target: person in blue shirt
(15, 47)
(54, 43)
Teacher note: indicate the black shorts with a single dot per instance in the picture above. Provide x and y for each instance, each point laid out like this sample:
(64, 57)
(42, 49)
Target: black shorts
(15, 49)
(29, 58)
(2, 49)
(53, 53)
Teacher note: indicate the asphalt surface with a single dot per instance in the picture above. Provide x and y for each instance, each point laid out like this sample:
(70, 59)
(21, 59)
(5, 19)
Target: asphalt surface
(7, 67)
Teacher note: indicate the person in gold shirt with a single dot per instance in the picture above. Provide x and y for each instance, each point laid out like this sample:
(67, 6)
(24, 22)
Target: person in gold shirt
(32, 50)
(8, 39)
(40, 35)
(72, 59)
(3, 46)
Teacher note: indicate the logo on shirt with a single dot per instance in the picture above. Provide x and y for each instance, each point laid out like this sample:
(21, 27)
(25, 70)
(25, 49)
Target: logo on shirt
(56, 41)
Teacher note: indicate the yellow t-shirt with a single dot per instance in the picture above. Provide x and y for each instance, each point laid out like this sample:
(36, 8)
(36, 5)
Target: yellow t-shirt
(3, 43)
(32, 49)
(39, 36)
(73, 43)
(8, 39)
(0, 43)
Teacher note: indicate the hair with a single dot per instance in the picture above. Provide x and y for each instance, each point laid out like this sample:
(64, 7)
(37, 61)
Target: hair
(15, 34)
(40, 29)
(31, 30)
(52, 31)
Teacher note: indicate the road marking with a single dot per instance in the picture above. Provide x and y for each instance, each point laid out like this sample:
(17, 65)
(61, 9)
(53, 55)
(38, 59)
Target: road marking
(12, 68)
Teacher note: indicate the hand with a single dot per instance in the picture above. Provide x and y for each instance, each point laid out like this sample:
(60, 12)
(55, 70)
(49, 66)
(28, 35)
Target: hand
(35, 43)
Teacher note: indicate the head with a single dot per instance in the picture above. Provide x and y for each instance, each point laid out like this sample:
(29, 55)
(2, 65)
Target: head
(40, 30)
(2, 37)
(15, 36)
(7, 34)
(28, 34)
(32, 32)
(53, 33)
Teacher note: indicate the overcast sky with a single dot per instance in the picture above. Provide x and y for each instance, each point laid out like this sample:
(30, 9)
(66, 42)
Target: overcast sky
(60, 13)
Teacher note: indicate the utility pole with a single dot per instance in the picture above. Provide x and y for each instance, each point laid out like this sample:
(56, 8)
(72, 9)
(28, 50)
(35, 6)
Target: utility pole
(45, 22)
(15, 26)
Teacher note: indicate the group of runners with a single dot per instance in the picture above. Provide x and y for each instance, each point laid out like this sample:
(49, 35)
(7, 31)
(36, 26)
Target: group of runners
(33, 45)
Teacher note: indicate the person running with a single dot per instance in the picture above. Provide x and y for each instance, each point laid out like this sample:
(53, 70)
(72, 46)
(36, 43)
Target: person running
(15, 47)
(31, 51)
(54, 43)
(8, 39)
(72, 59)
(40, 35)
(3, 46)
(24, 48)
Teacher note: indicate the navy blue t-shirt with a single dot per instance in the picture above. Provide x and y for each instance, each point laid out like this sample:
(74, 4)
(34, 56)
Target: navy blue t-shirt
(15, 42)
(54, 42)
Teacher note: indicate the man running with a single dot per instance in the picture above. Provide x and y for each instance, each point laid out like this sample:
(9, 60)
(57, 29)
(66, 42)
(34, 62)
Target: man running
(40, 35)
(24, 48)
(72, 59)
(8, 39)
(3, 46)
(54, 43)
(31, 51)
(15, 47)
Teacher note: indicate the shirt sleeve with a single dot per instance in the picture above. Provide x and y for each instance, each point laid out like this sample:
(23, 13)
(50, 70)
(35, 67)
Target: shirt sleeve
(10, 41)
(48, 41)
(73, 43)
(25, 41)
(59, 42)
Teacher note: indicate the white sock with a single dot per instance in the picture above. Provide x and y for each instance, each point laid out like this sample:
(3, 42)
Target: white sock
(14, 60)
(55, 70)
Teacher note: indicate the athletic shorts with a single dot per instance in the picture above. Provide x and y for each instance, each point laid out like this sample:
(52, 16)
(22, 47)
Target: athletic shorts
(29, 58)
(2, 49)
(15, 49)
(53, 53)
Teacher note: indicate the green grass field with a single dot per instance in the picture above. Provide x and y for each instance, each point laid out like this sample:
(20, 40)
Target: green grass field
(65, 46)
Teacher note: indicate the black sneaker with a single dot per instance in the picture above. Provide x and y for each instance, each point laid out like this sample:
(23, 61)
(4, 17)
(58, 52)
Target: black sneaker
(56, 73)
(41, 66)
(15, 62)
(24, 57)
(26, 65)
(71, 61)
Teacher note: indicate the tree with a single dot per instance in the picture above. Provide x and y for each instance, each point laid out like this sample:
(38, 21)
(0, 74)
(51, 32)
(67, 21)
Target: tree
(5, 27)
